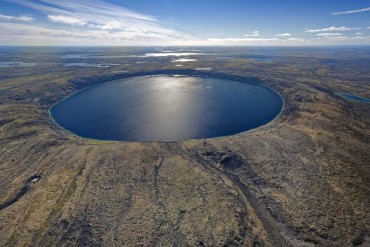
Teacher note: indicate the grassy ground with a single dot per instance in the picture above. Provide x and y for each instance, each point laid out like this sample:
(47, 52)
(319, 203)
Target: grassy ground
(301, 180)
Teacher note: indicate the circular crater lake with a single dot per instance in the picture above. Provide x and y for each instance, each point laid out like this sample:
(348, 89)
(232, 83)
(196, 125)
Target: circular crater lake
(166, 108)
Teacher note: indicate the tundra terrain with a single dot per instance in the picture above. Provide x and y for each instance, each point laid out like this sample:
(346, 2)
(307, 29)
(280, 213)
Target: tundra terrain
(301, 180)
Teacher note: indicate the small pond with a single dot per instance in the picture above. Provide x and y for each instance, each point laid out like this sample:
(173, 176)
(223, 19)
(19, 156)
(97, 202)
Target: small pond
(353, 97)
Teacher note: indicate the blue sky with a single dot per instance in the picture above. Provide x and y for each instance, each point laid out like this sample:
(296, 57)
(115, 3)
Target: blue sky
(184, 22)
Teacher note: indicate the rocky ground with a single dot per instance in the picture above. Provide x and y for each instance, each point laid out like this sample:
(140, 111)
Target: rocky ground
(301, 180)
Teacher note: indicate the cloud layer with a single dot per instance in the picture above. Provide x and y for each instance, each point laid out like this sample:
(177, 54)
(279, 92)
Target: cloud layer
(351, 11)
(326, 29)
(329, 34)
(67, 20)
(283, 35)
(254, 34)
(96, 22)
(16, 18)
(101, 21)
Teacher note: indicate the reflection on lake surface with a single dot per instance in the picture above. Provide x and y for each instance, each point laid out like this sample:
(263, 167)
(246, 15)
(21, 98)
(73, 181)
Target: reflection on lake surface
(166, 108)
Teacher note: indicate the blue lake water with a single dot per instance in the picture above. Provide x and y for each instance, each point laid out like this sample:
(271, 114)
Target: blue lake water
(354, 97)
(16, 64)
(166, 108)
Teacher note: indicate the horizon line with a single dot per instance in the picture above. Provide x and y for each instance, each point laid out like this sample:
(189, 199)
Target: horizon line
(308, 45)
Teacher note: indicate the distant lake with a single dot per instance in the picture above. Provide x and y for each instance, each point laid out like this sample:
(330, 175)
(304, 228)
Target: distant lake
(166, 108)
(353, 97)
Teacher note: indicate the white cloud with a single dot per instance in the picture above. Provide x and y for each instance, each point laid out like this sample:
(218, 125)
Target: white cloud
(95, 17)
(254, 34)
(329, 34)
(283, 35)
(240, 40)
(84, 8)
(110, 25)
(359, 33)
(351, 11)
(67, 20)
(287, 41)
(295, 39)
(345, 39)
(95, 22)
(256, 41)
(25, 18)
(16, 18)
(20, 34)
(328, 29)
(24, 33)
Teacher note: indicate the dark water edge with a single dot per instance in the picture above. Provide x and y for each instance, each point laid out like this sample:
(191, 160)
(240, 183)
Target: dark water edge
(224, 121)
